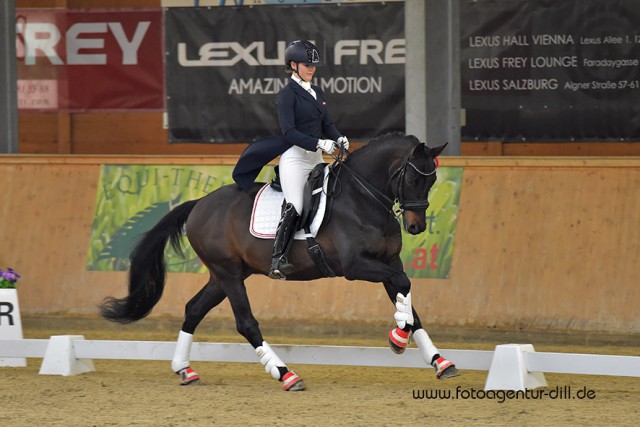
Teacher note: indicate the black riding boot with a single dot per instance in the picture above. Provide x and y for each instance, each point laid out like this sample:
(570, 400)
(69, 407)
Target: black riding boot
(287, 227)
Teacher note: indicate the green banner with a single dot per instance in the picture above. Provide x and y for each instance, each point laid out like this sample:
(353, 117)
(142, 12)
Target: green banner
(429, 254)
(132, 198)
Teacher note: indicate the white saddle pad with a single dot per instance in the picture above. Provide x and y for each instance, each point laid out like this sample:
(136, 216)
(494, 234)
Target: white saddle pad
(267, 209)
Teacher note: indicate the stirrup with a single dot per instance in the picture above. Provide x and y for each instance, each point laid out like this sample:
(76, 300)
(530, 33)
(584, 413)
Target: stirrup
(280, 270)
(276, 274)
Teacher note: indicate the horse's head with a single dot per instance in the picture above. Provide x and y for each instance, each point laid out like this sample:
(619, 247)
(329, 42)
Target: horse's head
(415, 177)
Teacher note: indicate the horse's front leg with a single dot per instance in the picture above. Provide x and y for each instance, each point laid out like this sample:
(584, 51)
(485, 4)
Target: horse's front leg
(398, 287)
(399, 340)
(396, 283)
(248, 327)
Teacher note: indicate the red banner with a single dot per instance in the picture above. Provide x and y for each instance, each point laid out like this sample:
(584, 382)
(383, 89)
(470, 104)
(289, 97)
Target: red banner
(89, 60)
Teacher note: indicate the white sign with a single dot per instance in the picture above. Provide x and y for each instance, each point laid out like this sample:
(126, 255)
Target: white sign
(37, 94)
(10, 324)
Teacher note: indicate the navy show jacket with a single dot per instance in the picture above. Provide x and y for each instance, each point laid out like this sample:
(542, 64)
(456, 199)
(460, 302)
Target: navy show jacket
(303, 120)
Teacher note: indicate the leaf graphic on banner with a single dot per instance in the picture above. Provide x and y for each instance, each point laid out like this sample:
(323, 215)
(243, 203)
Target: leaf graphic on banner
(126, 237)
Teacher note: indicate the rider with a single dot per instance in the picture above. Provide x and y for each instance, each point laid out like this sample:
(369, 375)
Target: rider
(305, 123)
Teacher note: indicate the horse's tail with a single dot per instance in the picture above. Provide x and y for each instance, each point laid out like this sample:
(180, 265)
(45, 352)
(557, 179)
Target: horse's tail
(147, 271)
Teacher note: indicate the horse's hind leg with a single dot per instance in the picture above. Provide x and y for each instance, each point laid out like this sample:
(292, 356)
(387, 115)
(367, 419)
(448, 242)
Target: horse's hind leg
(248, 327)
(209, 296)
(399, 340)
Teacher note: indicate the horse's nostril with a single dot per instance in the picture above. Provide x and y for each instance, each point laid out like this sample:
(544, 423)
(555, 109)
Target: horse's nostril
(415, 229)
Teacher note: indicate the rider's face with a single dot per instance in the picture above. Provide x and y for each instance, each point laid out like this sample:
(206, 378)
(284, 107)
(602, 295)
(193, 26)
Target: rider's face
(306, 71)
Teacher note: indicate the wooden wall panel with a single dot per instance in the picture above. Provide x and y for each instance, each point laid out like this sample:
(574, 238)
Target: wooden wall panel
(38, 133)
(547, 243)
(497, 148)
(541, 243)
(134, 133)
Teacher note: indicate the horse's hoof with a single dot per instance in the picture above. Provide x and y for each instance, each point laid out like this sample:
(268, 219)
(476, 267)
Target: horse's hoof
(292, 382)
(298, 386)
(398, 340)
(396, 349)
(451, 371)
(444, 368)
(188, 376)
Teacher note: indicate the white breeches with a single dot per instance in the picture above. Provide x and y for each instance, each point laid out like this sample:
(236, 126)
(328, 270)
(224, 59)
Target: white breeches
(295, 165)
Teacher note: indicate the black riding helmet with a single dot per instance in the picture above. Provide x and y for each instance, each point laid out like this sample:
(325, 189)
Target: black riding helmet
(301, 51)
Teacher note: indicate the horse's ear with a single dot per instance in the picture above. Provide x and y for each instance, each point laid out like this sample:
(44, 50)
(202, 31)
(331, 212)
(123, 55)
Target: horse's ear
(435, 152)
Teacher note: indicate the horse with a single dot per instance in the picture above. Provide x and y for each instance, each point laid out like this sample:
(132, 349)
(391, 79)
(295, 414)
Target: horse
(361, 241)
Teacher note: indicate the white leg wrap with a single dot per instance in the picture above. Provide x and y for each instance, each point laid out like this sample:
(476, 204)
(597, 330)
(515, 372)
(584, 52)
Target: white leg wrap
(182, 352)
(427, 349)
(270, 360)
(404, 314)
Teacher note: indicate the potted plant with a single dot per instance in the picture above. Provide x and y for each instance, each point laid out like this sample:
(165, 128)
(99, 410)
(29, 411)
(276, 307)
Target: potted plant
(8, 279)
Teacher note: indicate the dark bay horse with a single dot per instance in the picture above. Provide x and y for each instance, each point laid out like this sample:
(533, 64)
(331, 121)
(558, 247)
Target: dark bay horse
(361, 241)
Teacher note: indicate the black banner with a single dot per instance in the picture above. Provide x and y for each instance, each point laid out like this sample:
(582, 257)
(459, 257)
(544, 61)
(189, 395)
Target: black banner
(550, 70)
(225, 65)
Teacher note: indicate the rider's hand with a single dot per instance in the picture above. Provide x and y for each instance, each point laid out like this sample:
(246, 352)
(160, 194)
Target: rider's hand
(327, 145)
(344, 142)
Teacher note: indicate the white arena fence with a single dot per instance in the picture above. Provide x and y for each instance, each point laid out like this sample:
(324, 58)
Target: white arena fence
(509, 366)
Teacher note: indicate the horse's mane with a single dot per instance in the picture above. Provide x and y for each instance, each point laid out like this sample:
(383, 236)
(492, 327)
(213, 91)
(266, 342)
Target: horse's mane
(388, 139)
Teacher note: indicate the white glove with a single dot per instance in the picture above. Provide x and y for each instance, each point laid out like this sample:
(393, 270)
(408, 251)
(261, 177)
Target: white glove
(327, 145)
(344, 142)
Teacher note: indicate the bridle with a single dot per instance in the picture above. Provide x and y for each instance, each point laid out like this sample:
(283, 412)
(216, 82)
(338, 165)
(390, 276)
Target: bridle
(381, 198)
(405, 204)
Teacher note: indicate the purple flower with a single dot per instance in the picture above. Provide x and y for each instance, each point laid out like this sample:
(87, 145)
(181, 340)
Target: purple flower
(8, 278)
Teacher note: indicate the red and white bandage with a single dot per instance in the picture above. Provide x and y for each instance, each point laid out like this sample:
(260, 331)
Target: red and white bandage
(399, 337)
(290, 379)
(440, 365)
(188, 376)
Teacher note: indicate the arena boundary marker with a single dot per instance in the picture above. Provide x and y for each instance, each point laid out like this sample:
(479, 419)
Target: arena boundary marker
(510, 366)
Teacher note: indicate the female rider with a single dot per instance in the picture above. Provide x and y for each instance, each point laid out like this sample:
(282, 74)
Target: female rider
(305, 123)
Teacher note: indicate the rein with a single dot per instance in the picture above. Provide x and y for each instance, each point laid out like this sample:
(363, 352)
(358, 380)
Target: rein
(377, 195)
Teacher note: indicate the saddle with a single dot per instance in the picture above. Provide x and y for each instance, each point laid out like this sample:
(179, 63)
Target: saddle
(315, 212)
(312, 196)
